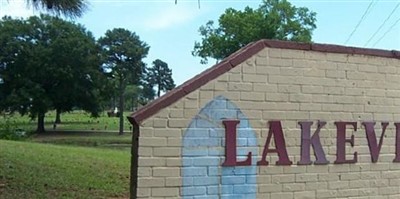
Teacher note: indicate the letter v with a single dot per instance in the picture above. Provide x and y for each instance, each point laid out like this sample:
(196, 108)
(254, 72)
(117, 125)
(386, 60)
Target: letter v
(374, 148)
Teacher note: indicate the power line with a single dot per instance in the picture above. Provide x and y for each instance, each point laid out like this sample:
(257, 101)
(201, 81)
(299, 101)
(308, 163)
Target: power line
(359, 22)
(384, 22)
(391, 27)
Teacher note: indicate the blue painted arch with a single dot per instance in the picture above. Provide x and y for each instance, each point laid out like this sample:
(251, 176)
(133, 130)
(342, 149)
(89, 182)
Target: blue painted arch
(203, 153)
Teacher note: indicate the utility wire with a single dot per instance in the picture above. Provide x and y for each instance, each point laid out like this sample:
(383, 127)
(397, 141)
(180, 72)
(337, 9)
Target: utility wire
(384, 22)
(391, 27)
(359, 22)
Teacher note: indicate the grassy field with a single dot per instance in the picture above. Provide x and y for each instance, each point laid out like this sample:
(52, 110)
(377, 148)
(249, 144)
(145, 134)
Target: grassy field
(34, 170)
(75, 120)
(83, 157)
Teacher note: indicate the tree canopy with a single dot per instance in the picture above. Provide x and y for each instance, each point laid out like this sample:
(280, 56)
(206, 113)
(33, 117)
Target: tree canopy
(47, 63)
(273, 19)
(161, 76)
(123, 52)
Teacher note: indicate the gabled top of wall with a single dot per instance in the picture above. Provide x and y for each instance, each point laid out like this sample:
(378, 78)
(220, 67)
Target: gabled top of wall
(237, 58)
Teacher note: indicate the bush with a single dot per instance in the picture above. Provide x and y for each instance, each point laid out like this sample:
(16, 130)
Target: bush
(9, 131)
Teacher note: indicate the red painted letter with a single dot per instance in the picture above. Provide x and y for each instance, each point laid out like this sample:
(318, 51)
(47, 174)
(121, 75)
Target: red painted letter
(374, 148)
(230, 145)
(314, 141)
(341, 142)
(275, 128)
(397, 158)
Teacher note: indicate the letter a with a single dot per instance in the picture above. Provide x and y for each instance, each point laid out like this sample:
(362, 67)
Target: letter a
(275, 128)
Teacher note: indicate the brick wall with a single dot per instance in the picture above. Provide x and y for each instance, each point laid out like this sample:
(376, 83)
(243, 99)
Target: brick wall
(182, 146)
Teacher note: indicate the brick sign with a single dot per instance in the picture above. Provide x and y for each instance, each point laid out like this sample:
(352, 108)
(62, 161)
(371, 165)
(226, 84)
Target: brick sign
(275, 120)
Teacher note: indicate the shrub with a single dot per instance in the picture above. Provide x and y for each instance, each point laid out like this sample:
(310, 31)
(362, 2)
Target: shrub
(9, 131)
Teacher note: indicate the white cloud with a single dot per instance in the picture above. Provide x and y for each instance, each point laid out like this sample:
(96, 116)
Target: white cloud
(15, 8)
(171, 16)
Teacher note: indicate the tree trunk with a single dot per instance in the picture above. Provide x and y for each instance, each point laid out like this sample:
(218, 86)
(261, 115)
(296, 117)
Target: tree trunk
(133, 104)
(40, 124)
(58, 116)
(121, 107)
(113, 104)
(159, 90)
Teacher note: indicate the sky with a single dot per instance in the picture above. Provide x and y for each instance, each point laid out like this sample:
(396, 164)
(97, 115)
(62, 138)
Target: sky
(171, 29)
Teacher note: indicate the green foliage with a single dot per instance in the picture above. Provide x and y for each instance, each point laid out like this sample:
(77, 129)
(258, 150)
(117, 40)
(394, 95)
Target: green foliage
(147, 93)
(160, 76)
(32, 170)
(9, 131)
(131, 96)
(48, 63)
(69, 8)
(123, 52)
(274, 19)
(138, 95)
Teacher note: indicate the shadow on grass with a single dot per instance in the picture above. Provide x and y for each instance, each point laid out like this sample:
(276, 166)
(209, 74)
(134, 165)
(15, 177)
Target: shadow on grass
(105, 139)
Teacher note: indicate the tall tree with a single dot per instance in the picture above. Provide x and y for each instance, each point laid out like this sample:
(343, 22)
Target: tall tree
(123, 52)
(161, 76)
(85, 83)
(44, 61)
(274, 19)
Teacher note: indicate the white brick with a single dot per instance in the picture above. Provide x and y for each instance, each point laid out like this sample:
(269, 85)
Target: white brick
(165, 192)
(151, 182)
(280, 62)
(240, 86)
(306, 177)
(259, 87)
(290, 187)
(252, 96)
(282, 195)
(166, 172)
(283, 178)
(166, 151)
(274, 97)
(289, 89)
(254, 78)
(305, 195)
(291, 71)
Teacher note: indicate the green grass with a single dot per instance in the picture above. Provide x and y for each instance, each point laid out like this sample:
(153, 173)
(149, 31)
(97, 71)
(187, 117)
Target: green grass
(76, 160)
(75, 120)
(34, 170)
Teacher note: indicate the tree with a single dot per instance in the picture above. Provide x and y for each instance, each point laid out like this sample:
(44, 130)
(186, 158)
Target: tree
(147, 93)
(85, 84)
(47, 63)
(274, 19)
(69, 8)
(161, 76)
(123, 52)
